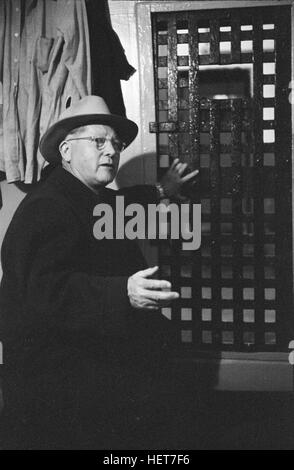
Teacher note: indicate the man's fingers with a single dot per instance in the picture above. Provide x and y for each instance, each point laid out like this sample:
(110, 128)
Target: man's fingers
(174, 163)
(155, 284)
(151, 307)
(161, 296)
(148, 272)
(182, 168)
(189, 176)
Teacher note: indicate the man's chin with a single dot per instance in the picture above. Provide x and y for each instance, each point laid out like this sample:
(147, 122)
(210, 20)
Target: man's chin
(106, 178)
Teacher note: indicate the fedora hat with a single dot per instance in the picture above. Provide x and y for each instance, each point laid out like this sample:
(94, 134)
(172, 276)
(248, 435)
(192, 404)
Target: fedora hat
(88, 110)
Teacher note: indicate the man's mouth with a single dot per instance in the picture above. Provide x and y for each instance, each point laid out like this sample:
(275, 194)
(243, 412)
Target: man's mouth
(107, 165)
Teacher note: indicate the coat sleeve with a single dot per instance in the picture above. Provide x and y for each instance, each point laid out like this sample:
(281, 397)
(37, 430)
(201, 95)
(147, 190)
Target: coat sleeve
(76, 53)
(140, 194)
(41, 254)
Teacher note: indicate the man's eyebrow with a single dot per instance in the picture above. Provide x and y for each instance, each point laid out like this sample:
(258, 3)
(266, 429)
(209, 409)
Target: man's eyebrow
(111, 136)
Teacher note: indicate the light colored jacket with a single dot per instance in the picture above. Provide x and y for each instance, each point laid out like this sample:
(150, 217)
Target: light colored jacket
(44, 64)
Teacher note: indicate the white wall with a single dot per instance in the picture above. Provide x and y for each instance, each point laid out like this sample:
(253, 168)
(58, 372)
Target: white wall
(143, 150)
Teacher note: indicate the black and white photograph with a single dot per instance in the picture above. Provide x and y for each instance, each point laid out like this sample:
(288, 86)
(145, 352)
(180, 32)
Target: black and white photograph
(146, 227)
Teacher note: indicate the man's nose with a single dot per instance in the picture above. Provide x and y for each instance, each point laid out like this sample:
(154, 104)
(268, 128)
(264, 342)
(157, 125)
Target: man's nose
(109, 149)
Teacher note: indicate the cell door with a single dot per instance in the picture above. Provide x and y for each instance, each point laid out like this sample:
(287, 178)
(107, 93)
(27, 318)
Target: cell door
(222, 105)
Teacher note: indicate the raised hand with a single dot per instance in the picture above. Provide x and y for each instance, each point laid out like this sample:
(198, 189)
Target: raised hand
(173, 179)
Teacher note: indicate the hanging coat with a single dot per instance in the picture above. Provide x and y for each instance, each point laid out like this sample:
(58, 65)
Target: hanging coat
(44, 64)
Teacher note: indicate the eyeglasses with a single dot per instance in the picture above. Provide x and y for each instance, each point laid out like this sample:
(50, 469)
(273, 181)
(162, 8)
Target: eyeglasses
(100, 142)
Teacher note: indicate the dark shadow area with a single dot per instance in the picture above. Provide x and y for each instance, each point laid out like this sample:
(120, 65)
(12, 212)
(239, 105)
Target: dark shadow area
(25, 188)
(234, 83)
(185, 417)
(130, 171)
(233, 421)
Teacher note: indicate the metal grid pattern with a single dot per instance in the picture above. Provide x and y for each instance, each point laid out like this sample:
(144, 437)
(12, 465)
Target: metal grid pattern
(236, 291)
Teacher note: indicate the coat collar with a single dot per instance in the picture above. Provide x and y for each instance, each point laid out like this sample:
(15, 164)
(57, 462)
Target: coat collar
(78, 194)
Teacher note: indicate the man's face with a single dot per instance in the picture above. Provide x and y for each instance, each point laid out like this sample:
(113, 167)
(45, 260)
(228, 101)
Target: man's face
(93, 164)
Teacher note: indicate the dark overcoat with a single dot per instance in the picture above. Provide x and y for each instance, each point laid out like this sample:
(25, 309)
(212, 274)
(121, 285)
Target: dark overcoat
(79, 362)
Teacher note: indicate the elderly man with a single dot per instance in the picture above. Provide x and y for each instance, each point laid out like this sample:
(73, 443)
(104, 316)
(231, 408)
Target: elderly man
(79, 321)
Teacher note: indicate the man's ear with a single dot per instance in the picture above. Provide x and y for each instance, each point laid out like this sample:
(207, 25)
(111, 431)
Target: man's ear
(64, 149)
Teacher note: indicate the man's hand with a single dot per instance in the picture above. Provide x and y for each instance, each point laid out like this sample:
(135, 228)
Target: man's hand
(172, 180)
(147, 293)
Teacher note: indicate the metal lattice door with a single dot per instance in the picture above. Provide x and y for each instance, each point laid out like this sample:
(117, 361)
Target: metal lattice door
(221, 81)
